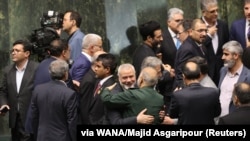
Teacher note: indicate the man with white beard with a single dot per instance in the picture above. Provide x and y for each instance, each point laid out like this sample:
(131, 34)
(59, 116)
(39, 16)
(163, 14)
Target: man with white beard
(233, 72)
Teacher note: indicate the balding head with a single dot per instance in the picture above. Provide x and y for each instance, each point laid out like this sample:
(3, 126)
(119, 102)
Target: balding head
(241, 94)
(148, 77)
(191, 70)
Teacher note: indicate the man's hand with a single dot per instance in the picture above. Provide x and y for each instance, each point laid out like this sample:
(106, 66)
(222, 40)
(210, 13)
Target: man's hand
(142, 118)
(2, 112)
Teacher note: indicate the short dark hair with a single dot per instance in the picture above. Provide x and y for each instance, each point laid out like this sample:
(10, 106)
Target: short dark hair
(191, 73)
(27, 46)
(108, 61)
(75, 16)
(57, 46)
(148, 29)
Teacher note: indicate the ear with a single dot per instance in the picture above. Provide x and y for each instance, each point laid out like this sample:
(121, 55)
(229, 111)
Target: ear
(236, 100)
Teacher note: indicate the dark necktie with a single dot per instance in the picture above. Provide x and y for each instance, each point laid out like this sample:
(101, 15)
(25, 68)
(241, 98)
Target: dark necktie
(248, 32)
(97, 89)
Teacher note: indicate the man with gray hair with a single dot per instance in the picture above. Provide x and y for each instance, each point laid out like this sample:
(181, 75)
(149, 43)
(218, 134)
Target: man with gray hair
(217, 35)
(91, 44)
(233, 72)
(54, 106)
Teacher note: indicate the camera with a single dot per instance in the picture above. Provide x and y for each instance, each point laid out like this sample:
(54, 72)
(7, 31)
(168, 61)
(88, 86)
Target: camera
(42, 37)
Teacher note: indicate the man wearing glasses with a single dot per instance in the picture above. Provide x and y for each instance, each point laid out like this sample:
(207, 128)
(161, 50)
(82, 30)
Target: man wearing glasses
(217, 35)
(16, 88)
(191, 47)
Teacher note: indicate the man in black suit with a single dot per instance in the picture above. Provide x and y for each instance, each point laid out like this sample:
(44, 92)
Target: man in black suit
(105, 67)
(194, 104)
(86, 90)
(170, 36)
(191, 47)
(127, 80)
(217, 36)
(54, 106)
(16, 88)
(241, 99)
(152, 37)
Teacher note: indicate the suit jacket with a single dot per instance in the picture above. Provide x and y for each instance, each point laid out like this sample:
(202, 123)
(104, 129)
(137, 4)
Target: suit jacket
(168, 48)
(135, 100)
(244, 77)
(240, 115)
(18, 102)
(115, 116)
(80, 66)
(187, 50)
(237, 31)
(54, 112)
(86, 91)
(195, 104)
(139, 55)
(96, 108)
(214, 60)
(75, 44)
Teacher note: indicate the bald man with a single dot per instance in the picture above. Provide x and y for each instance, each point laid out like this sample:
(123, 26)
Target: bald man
(133, 101)
(194, 104)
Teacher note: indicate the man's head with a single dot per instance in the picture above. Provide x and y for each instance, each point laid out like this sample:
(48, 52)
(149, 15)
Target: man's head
(92, 43)
(175, 19)
(202, 62)
(247, 9)
(21, 51)
(126, 76)
(148, 77)
(71, 21)
(58, 70)
(59, 48)
(241, 94)
(151, 33)
(153, 62)
(105, 65)
(209, 10)
(191, 72)
(199, 31)
(232, 53)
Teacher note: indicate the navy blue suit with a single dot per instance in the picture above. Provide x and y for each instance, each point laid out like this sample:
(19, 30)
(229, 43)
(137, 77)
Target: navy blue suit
(237, 32)
(80, 66)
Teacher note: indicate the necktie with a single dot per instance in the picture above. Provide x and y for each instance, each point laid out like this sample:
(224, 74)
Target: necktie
(248, 32)
(97, 89)
(178, 43)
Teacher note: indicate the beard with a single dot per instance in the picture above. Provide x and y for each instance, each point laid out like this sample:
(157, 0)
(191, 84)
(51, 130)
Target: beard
(229, 63)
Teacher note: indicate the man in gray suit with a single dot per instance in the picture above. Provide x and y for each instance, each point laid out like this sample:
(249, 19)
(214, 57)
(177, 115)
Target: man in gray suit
(16, 88)
(233, 72)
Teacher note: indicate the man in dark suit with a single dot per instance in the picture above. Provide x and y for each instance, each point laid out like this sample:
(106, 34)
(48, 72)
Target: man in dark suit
(152, 37)
(105, 67)
(54, 106)
(240, 28)
(91, 44)
(170, 36)
(133, 101)
(217, 36)
(191, 47)
(126, 81)
(194, 104)
(59, 49)
(241, 99)
(86, 90)
(233, 72)
(16, 88)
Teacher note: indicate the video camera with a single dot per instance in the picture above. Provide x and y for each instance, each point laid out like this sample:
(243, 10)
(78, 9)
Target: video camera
(42, 37)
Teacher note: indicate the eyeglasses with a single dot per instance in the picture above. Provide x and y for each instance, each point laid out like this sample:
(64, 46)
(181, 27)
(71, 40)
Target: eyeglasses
(16, 51)
(201, 30)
